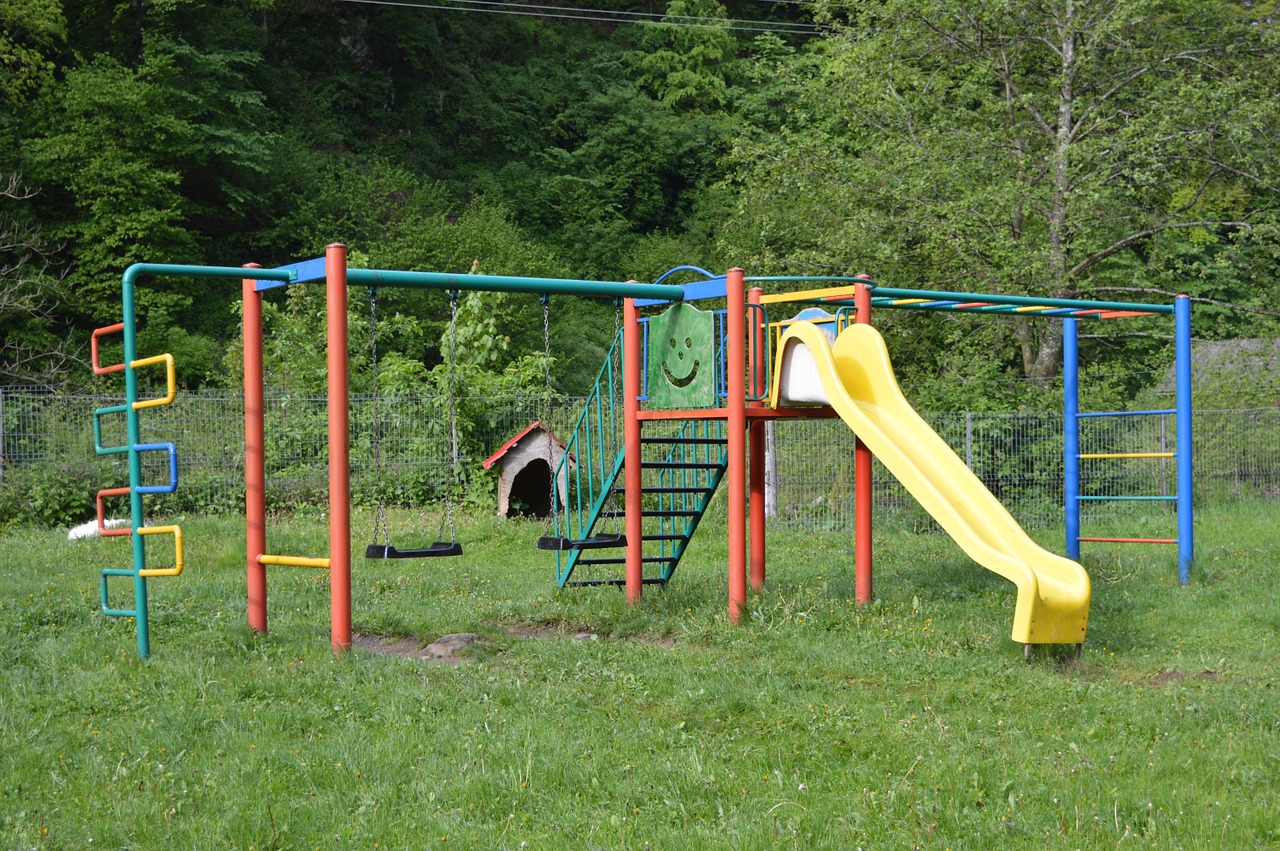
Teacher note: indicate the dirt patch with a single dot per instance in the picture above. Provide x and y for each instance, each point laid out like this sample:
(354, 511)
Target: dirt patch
(443, 650)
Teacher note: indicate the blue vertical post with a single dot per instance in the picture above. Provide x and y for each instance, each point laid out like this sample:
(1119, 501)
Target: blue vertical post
(1182, 367)
(1071, 432)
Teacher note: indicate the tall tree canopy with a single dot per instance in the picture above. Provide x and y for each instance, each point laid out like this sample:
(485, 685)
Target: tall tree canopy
(1060, 148)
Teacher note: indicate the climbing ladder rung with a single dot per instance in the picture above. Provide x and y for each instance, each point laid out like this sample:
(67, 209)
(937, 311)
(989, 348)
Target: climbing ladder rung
(173, 466)
(1128, 455)
(680, 465)
(663, 489)
(664, 513)
(106, 606)
(176, 531)
(1132, 540)
(703, 441)
(293, 561)
(649, 560)
(93, 349)
(665, 537)
(171, 381)
(649, 580)
(102, 513)
(1127, 498)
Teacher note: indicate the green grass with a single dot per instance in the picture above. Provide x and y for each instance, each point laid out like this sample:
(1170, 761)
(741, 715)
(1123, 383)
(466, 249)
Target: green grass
(913, 721)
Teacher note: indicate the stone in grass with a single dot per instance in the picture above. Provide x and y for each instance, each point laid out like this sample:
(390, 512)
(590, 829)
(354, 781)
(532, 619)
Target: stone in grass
(448, 646)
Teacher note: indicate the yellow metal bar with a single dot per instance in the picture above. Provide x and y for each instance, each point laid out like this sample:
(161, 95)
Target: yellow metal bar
(294, 561)
(1035, 308)
(1128, 455)
(176, 531)
(809, 295)
(170, 377)
(905, 301)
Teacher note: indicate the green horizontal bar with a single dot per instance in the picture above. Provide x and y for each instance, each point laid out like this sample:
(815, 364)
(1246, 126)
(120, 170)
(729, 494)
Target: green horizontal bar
(236, 272)
(512, 284)
(1022, 300)
(1127, 498)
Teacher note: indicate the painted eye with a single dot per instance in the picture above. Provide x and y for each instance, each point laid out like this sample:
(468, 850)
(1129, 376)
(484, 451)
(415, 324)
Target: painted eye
(688, 343)
(672, 341)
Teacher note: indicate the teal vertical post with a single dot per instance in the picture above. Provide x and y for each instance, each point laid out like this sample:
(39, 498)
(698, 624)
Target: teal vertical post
(135, 465)
(1182, 367)
(1071, 432)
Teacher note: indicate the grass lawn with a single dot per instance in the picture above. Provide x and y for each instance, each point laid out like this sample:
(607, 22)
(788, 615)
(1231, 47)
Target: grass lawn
(815, 723)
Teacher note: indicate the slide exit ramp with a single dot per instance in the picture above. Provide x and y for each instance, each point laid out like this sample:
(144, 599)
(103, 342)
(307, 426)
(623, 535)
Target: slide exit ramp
(855, 377)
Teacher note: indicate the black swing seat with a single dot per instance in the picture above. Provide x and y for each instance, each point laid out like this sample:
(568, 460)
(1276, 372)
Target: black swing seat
(439, 548)
(595, 542)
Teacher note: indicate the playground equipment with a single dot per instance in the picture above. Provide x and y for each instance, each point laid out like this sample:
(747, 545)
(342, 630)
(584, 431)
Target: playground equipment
(441, 548)
(679, 407)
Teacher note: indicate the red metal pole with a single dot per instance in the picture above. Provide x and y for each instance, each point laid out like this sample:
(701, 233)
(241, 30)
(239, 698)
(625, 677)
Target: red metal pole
(255, 470)
(631, 447)
(758, 356)
(339, 449)
(734, 367)
(862, 482)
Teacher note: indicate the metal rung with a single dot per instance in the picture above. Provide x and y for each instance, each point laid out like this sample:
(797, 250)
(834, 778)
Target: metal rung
(661, 489)
(651, 560)
(671, 513)
(703, 441)
(1127, 498)
(588, 582)
(665, 537)
(293, 561)
(680, 465)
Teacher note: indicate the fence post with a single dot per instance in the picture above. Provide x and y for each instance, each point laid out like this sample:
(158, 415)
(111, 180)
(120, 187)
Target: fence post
(771, 468)
(968, 439)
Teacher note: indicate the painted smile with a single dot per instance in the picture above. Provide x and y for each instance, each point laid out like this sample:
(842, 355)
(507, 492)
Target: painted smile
(681, 382)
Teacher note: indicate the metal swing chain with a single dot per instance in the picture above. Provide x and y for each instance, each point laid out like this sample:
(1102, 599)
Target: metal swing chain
(546, 419)
(453, 421)
(380, 513)
(612, 502)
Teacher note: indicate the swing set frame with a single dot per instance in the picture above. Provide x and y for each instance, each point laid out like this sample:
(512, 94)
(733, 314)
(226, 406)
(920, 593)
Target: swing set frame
(332, 269)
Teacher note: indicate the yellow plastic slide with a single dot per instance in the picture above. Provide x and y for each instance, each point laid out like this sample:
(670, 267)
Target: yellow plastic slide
(856, 378)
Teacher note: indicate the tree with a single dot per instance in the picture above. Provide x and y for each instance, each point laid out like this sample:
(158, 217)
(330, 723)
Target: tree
(1024, 147)
(31, 350)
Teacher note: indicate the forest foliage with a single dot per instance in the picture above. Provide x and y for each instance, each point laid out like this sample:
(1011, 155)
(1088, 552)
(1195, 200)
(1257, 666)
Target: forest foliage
(1128, 149)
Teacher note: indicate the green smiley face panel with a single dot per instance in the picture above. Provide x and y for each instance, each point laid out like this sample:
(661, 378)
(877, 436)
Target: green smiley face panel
(681, 352)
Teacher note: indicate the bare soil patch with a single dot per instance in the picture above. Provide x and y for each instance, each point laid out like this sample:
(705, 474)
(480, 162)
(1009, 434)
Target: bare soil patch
(443, 650)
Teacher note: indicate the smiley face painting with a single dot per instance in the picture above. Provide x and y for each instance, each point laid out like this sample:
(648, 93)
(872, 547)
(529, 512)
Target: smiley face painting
(682, 358)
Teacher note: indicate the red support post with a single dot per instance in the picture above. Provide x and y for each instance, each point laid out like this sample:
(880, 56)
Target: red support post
(734, 369)
(631, 362)
(758, 355)
(862, 482)
(255, 471)
(339, 449)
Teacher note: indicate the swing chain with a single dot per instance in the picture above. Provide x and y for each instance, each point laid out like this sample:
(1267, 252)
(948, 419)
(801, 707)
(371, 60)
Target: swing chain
(546, 419)
(453, 421)
(380, 513)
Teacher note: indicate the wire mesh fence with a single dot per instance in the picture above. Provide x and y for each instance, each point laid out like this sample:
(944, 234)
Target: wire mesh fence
(406, 459)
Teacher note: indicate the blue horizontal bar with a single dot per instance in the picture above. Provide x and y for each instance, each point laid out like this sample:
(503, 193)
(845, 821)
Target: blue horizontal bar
(299, 273)
(1125, 413)
(1127, 498)
(173, 467)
